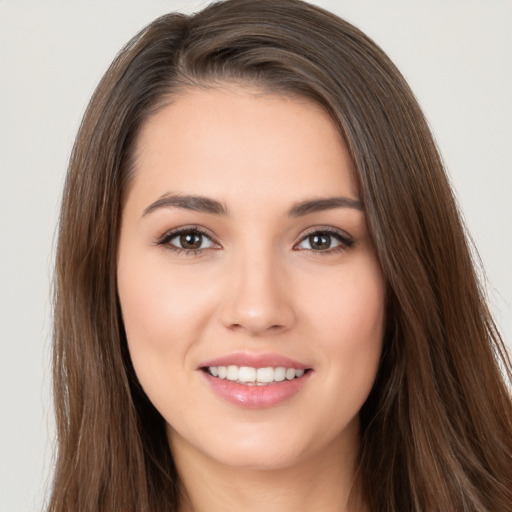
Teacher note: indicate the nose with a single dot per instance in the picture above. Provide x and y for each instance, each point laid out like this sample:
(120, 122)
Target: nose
(257, 298)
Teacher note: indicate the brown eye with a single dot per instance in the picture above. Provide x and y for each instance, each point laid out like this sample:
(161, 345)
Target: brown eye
(320, 242)
(191, 241)
(327, 241)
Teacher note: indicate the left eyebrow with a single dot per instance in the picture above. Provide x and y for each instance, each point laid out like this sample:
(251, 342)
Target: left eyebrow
(319, 205)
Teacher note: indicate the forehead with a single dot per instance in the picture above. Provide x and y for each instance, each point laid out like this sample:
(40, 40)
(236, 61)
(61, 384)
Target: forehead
(235, 142)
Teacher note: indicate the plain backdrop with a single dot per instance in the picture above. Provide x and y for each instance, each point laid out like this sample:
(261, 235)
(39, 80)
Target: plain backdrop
(456, 55)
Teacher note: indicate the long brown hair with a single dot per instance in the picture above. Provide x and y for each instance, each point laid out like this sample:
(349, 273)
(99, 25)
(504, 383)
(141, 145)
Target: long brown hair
(436, 428)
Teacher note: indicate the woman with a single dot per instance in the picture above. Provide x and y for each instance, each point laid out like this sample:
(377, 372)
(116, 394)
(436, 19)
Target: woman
(264, 294)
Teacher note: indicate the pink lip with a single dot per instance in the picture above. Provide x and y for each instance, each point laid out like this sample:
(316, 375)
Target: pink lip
(255, 361)
(256, 397)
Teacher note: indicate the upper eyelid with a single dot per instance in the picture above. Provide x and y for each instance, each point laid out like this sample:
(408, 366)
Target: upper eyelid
(324, 229)
(188, 229)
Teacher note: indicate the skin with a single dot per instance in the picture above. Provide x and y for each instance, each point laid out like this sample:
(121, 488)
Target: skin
(258, 286)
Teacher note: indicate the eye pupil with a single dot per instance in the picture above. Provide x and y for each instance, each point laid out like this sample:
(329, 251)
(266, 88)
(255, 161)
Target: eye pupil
(320, 241)
(191, 240)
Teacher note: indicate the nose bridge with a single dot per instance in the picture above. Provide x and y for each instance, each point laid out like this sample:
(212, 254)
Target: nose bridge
(255, 297)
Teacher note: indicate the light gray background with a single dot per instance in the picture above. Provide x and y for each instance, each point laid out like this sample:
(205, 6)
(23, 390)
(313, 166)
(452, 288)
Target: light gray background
(456, 55)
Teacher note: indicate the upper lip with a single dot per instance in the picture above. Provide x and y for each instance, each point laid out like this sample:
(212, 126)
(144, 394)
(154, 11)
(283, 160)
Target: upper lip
(265, 360)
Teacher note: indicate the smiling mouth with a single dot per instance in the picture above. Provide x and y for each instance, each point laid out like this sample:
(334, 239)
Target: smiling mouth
(251, 376)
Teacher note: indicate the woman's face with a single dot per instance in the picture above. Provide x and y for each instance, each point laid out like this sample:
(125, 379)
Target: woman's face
(244, 245)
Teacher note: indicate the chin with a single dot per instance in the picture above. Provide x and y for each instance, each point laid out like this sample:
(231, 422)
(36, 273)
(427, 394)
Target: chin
(260, 448)
(258, 458)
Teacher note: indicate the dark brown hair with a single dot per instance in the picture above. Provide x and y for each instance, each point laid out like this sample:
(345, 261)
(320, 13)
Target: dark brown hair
(436, 428)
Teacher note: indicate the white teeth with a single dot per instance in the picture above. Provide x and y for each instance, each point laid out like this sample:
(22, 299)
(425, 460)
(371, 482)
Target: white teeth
(232, 373)
(280, 374)
(246, 374)
(265, 374)
(255, 376)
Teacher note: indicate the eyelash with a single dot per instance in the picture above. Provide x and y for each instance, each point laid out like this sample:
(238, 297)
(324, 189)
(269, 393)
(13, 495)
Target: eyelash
(345, 242)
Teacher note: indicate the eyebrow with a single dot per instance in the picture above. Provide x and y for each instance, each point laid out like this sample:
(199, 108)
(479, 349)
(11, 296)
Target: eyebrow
(187, 202)
(327, 203)
(208, 205)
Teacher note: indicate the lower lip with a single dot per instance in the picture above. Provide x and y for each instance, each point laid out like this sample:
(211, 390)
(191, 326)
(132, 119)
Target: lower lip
(256, 397)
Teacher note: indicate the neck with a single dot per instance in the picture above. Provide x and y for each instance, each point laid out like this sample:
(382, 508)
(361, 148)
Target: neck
(323, 482)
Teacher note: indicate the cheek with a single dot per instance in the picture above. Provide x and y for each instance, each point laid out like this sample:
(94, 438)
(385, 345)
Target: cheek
(352, 304)
(159, 321)
(159, 302)
(351, 327)
(163, 313)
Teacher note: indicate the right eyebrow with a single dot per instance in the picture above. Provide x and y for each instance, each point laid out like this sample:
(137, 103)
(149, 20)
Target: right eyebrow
(322, 204)
(187, 202)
